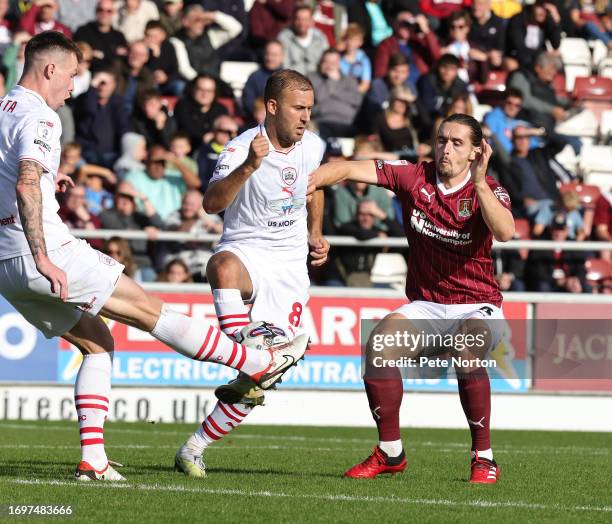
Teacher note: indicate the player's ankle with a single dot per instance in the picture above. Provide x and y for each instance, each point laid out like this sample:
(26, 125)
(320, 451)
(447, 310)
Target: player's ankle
(392, 448)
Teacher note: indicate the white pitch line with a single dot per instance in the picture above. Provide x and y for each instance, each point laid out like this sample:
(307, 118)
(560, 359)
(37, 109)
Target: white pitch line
(515, 504)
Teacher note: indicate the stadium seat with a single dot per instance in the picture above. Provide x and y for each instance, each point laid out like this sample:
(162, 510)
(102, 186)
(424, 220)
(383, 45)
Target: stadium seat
(605, 68)
(588, 194)
(593, 88)
(595, 158)
(229, 104)
(575, 51)
(389, 268)
(573, 71)
(169, 102)
(236, 74)
(559, 85)
(492, 91)
(480, 110)
(599, 51)
(598, 270)
(568, 159)
(605, 130)
(347, 145)
(584, 124)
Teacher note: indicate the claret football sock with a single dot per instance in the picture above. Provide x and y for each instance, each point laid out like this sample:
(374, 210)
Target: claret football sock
(475, 396)
(91, 399)
(200, 340)
(233, 315)
(385, 398)
(392, 448)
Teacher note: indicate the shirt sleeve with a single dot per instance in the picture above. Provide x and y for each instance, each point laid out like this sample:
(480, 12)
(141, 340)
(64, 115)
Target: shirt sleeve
(395, 175)
(37, 139)
(500, 192)
(229, 160)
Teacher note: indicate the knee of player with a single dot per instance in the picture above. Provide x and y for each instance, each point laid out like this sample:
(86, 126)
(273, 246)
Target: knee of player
(223, 270)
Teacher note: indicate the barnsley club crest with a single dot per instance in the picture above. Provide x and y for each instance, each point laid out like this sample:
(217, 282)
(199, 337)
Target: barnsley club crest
(289, 175)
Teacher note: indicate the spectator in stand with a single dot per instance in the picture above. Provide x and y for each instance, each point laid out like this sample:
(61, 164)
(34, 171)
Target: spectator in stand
(413, 38)
(14, 58)
(266, 20)
(101, 120)
(133, 75)
(346, 199)
(438, 89)
(6, 27)
(258, 116)
(171, 15)
(602, 222)
(330, 18)
(73, 13)
(96, 196)
(133, 154)
(488, 32)
(542, 105)
(162, 59)
(569, 205)
(355, 263)
(151, 119)
(529, 31)
(164, 189)
(179, 161)
(125, 216)
(191, 218)
(74, 213)
(42, 16)
(175, 272)
(304, 44)
(236, 48)
(83, 78)
(355, 63)
(198, 108)
(502, 120)
(557, 270)
(474, 62)
(337, 98)
(119, 249)
(593, 19)
(106, 42)
(254, 87)
(398, 75)
(530, 179)
(506, 9)
(394, 126)
(197, 42)
(132, 17)
(372, 16)
(441, 9)
(224, 130)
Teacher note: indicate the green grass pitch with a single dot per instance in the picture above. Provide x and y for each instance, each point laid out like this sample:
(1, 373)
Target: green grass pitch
(294, 474)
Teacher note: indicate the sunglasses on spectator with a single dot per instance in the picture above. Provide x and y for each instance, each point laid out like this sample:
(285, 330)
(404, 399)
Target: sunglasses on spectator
(125, 195)
(458, 26)
(156, 161)
(521, 136)
(230, 132)
(100, 10)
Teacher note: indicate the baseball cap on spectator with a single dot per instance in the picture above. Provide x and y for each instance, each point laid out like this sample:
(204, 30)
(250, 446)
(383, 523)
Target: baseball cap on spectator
(334, 148)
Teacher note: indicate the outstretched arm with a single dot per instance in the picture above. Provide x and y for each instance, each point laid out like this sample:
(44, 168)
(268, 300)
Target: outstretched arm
(318, 243)
(334, 172)
(499, 219)
(30, 206)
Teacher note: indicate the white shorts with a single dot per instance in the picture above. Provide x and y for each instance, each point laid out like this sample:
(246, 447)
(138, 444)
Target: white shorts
(447, 313)
(92, 278)
(280, 285)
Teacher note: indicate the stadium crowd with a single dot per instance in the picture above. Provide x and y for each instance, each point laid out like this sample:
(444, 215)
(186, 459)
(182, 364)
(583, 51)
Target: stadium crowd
(155, 103)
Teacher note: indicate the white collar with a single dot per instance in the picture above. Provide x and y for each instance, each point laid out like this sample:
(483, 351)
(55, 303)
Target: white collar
(34, 93)
(452, 190)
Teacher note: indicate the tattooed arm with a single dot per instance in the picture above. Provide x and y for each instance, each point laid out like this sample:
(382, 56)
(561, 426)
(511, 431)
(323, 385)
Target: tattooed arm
(30, 206)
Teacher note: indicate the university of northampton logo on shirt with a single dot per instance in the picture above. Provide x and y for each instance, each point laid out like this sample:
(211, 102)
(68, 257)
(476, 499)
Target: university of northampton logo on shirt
(465, 207)
(289, 175)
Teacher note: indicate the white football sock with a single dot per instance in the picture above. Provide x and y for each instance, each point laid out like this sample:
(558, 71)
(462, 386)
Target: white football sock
(219, 423)
(91, 399)
(485, 453)
(199, 340)
(233, 315)
(392, 448)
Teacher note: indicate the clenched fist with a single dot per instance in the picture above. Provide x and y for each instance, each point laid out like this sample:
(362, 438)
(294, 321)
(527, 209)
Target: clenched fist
(258, 151)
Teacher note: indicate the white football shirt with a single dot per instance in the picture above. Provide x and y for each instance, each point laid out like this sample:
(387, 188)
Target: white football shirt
(269, 211)
(29, 130)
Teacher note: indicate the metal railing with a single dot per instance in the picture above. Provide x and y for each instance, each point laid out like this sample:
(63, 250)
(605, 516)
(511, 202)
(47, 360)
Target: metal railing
(540, 245)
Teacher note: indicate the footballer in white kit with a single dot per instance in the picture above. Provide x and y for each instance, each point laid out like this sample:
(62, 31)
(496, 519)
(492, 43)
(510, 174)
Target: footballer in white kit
(266, 225)
(31, 130)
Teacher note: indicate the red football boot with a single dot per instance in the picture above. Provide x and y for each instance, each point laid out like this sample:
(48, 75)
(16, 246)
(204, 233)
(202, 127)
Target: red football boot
(378, 462)
(484, 471)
